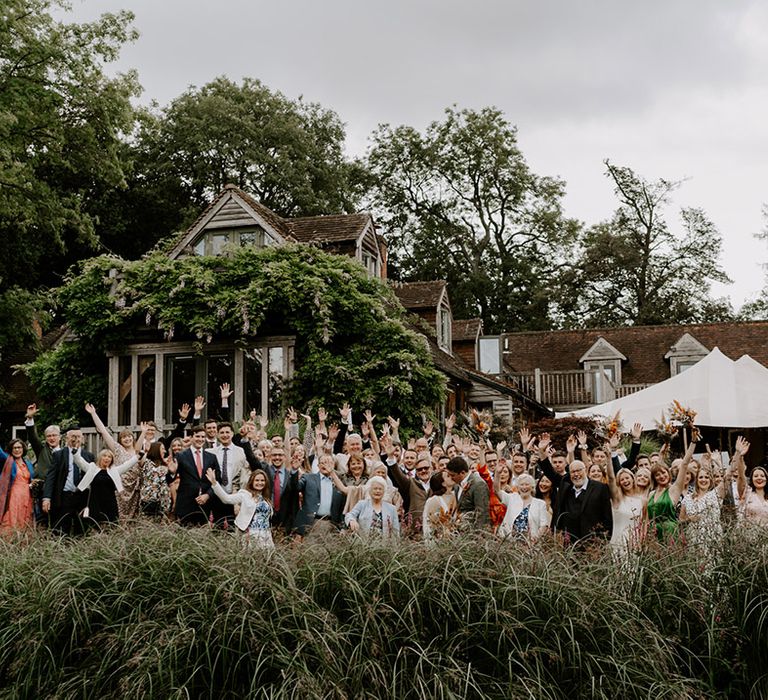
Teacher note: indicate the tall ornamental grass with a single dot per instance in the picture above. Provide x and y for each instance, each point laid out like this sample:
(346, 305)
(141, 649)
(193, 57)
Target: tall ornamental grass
(161, 612)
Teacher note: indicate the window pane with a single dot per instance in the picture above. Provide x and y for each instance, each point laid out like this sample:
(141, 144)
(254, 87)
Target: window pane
(253, 368)
(275, 381)
(254, 238)
(200, 247)
(124, 395)
(180, 378)
(218, 241)
(146, 388)
(490, 356)
(219, 372)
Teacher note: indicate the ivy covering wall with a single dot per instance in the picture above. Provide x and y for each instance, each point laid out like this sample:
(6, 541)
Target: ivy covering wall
(352, 342)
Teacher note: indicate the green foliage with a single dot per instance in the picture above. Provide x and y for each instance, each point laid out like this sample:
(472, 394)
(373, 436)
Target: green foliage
(66, 378)
(165, 612)
(460, 204)
(634, 269)
(351, 342)
(60, 122)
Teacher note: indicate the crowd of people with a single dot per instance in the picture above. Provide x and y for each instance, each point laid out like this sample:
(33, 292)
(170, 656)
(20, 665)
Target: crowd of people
(365, 481)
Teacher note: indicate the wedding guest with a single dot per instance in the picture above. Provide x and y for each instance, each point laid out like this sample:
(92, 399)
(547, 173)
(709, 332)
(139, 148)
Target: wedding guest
(16, 507)
(102, 480)
(373, 516)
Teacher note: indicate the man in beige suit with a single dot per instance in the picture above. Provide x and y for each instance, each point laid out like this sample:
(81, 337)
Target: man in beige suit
(414, 491)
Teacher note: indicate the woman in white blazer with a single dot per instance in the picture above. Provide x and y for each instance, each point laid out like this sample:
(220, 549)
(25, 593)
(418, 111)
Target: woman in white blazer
(256, 510)
(374, 516)
(102, 479)
(527, 517)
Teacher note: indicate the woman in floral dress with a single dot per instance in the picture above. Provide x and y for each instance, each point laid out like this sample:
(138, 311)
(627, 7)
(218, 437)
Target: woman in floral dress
(156, 477)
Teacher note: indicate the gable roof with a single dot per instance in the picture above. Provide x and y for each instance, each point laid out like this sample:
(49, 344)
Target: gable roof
(419, 295)
(466, 329)
(333, 228)
(644, 346)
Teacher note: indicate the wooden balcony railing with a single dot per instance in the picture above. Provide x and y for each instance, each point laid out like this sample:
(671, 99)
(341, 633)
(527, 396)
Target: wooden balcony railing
(569, 388)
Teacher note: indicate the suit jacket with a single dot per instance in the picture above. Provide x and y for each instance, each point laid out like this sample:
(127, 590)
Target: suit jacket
(309, 486)
(43, 452)
(238, 470)
(588, 515)
(411, 491)
(473, 503)
(57, 474)
(285, 515)
(191, 485)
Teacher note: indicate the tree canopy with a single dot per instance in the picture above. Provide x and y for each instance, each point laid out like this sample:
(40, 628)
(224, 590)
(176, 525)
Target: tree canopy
(635, 269)
(61, 120)
(352, 341)
(460, 203)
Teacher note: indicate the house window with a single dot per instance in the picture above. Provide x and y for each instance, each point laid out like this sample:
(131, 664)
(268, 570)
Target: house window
(444, 328)
(678, 365)
(216, 242)
(189, 375)
(685, 353)
(490, 355)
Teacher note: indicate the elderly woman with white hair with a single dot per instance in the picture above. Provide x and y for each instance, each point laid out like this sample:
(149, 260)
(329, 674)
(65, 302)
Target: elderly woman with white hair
(373, 516)
(527, 517)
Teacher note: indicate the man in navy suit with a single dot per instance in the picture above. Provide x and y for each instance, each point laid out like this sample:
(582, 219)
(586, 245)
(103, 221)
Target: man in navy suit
(62, 502)
(321, 509)
(195, 494)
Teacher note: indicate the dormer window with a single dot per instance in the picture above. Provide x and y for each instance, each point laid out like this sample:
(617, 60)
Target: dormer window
(685, 353)
(603, 359)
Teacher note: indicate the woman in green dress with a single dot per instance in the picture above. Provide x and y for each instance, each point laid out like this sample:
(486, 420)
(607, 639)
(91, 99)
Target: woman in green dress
(662, 503)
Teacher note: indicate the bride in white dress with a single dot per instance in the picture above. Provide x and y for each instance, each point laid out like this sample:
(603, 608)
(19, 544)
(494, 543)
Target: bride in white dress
(628, 505)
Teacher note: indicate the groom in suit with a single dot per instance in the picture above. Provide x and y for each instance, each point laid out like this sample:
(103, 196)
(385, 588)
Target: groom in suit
(472, 496)
(581, 507)
(194, 499)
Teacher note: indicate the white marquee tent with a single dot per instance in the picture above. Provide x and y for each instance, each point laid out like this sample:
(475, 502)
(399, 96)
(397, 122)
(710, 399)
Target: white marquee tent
(723, 393)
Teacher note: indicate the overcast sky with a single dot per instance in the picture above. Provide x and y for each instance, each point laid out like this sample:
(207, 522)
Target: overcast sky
(672, 89)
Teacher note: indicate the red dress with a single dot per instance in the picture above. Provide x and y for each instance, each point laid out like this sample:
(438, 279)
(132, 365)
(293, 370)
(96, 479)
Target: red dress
(18, 512)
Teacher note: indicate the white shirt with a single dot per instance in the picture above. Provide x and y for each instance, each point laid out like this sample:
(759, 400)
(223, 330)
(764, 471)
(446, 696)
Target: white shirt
(236, 461)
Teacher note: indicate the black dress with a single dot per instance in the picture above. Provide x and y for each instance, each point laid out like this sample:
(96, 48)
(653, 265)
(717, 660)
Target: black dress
(102, 502)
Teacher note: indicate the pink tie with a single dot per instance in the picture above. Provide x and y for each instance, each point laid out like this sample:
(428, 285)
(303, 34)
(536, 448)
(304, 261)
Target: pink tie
(199, 463)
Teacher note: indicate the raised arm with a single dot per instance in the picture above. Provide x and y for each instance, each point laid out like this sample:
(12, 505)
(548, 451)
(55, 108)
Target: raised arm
(570, 448)
(449, 423)
(676, 490)
(125, 466)
(613, 487)
(634, 450)
(584, 448)
(109, 441)
(32, 436)
(338, 483)
(222, 495)
(309, 436)
(81, 463)
(742, 447)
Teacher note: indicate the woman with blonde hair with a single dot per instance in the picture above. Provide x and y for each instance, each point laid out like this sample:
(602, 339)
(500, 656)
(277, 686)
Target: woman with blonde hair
(104, 481)
(700, 511)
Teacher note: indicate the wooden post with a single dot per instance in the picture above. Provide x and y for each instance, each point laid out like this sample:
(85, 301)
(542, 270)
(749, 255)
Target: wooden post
(537, 383)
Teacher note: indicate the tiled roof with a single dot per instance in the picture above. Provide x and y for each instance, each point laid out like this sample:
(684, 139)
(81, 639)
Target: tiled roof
(328, 229)
(644, 346)
(277, 222)
(419, 295)
(466, 329)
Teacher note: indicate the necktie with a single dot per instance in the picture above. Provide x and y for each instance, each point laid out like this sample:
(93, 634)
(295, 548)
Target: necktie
(199, 463)
(224, 477)
(277, 490)
(75, 470)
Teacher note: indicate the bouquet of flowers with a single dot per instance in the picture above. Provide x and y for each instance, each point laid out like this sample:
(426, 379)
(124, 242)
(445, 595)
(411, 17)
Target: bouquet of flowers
(479, 423)
(685, 417)
(666, 429)
(606, 428)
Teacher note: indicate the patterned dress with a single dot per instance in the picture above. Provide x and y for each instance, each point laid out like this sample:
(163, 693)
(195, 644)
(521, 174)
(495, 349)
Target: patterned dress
(259, 531)
(703, 529)
(129, 499)
(155, 490)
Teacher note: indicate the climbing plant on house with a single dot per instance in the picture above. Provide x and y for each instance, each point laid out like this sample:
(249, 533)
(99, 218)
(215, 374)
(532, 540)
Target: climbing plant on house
(352, 341)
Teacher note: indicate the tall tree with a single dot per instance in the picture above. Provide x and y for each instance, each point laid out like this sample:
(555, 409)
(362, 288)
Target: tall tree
(60, 123)
(460, 203)
(634, 269)
(757, 309)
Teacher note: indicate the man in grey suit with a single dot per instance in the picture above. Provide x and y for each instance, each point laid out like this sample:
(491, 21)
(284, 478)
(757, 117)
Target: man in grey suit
(322, 506)
(472, 496)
